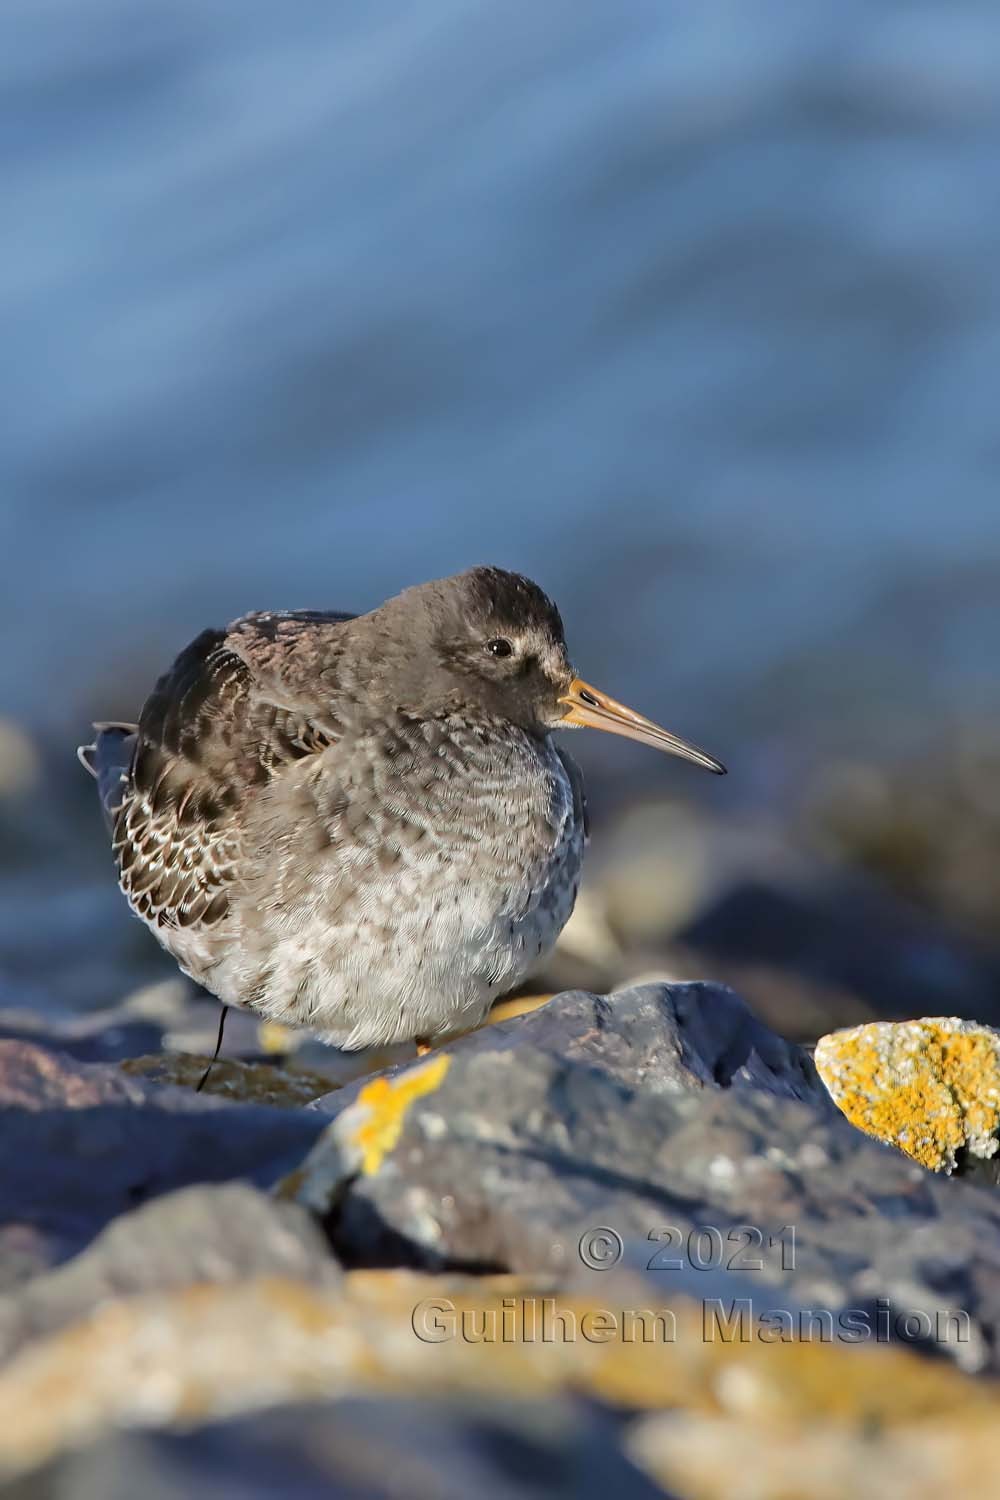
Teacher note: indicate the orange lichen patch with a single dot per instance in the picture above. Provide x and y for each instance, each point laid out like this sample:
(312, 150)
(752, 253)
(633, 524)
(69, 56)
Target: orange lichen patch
(381, 1106)
(930, 1087)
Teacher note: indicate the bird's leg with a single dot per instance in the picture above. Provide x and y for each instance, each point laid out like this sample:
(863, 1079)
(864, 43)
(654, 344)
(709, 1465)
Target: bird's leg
(218, 1043)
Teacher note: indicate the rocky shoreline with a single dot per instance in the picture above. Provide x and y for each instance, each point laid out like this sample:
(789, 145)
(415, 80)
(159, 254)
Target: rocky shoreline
(626, 1240)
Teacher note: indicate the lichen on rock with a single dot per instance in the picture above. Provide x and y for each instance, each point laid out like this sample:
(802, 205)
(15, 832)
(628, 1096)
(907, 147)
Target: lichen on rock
(930, 1087)
(183, 1357)
(231, 1078)
(376, 1118)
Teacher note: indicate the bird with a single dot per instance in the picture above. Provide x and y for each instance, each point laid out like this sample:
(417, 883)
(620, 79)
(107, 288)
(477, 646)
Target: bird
(361, 824)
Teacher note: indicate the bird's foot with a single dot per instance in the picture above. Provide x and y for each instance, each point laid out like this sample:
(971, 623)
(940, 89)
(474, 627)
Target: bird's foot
(504, 1010)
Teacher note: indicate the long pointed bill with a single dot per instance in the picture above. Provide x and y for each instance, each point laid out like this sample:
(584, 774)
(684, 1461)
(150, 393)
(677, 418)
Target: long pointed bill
(590, 709)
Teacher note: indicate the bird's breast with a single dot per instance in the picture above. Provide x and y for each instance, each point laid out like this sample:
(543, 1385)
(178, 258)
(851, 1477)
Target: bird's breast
(418, 872)
(492, 797)
(419, 819)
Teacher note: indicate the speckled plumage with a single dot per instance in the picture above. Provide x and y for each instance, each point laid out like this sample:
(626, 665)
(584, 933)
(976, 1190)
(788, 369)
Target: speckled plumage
(361, 825)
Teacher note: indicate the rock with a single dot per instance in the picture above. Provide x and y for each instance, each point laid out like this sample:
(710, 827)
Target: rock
(925, 825)
(188, 1358)
(851, 938)
(676, 1237)
(249, 1039)
(231, 1078)
(169, 1017)
(655, 868)
(930, 1087)
(198, 1234)
(795, 1005)
(192, 1030)
(740, 1458)
(367, 1449)
(144, 1022)
(196, 1030)
(84, 1142)
(653, 1038)
(662, 1128)
(97, 1036)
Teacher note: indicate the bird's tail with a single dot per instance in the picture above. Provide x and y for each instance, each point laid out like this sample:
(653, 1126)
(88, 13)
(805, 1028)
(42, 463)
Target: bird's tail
(109, 760)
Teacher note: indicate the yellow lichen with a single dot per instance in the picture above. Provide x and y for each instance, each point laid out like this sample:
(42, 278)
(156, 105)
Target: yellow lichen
(930, 1087)
(178, 1357)
(384, 1103)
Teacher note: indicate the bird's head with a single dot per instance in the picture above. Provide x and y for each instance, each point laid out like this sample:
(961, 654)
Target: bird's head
(494, 640)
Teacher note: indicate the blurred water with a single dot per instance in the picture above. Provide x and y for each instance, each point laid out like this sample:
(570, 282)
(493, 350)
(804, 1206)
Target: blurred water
(691, 312)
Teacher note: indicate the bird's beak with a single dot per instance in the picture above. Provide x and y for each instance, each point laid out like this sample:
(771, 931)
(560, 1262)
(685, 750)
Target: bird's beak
(588, 708)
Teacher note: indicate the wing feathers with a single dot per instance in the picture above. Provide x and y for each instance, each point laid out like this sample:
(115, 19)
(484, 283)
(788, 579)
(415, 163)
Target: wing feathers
(209, 736)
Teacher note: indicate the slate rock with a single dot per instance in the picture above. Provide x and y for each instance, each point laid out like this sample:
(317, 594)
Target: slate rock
(718, 1169)
(93, 1036)
(197, 1234)
(170, 1016)
(83, 1142)
(653, 1038)
(363, 1449)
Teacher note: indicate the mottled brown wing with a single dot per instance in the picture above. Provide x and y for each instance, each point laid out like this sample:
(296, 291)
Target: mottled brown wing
(207, 740)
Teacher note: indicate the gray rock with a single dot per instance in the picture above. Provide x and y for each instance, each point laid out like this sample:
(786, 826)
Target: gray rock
(198, 1234)
(703, 1152)
(362, 1449)
(94, 1036)
(172, 1016)
(654, 1038)
(83, 1142)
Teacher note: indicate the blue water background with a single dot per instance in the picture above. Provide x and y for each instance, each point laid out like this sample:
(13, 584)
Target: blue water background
(690, 311)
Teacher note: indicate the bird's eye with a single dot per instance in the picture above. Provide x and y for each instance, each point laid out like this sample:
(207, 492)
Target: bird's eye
(500, 646)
